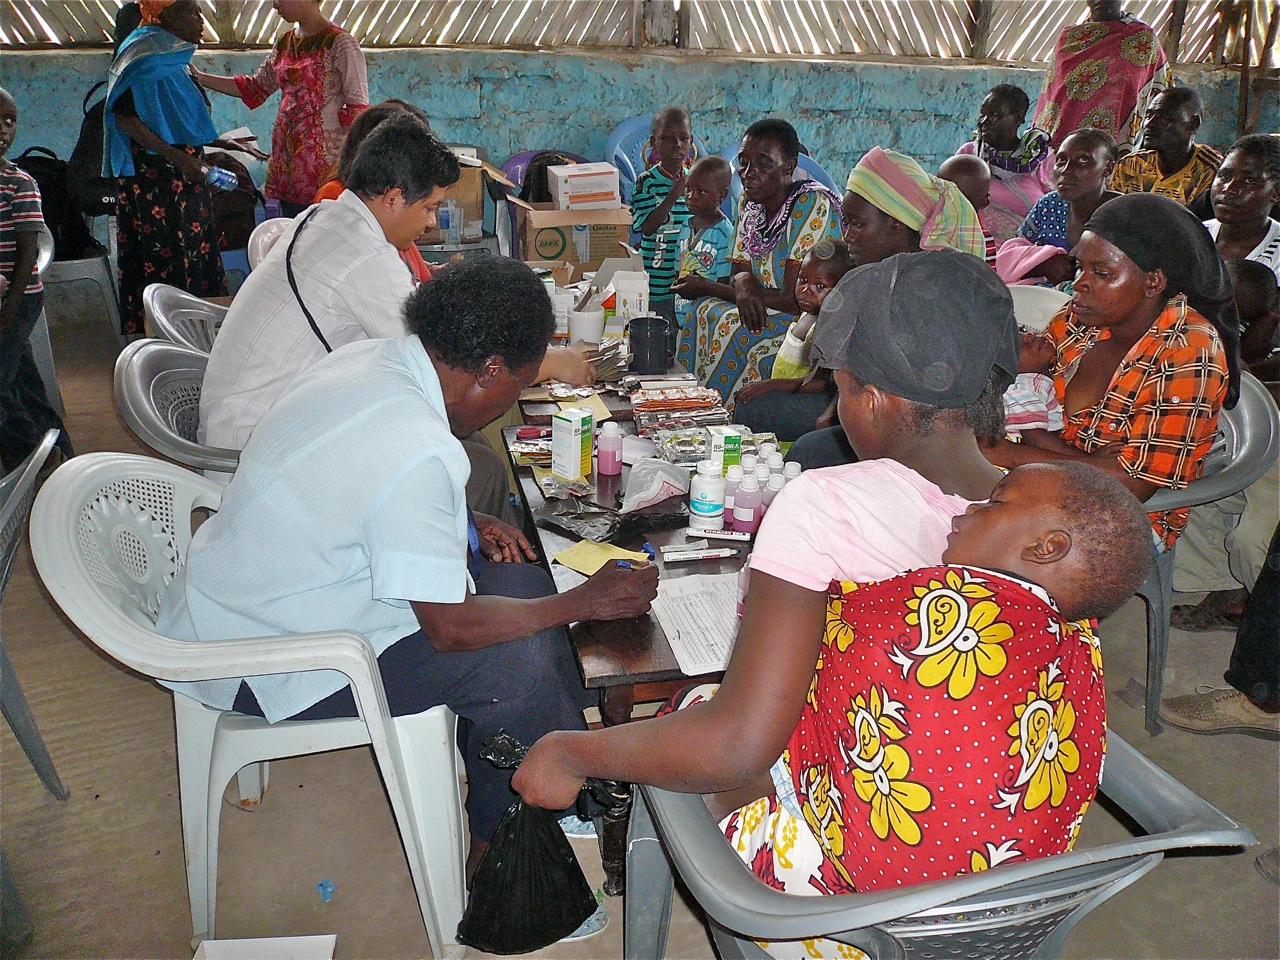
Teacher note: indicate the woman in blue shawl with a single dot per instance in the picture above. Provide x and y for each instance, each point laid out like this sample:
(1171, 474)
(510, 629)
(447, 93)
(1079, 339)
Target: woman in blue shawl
(729, 337)
(155, 126)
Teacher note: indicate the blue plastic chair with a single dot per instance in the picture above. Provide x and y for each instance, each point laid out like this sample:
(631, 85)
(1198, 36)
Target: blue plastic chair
(806, 167)
(625, 150)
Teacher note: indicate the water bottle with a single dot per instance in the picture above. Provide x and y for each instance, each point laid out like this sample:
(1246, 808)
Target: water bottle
(221, 179)
(746, 506)
(609, 450)
(706, 497)
(451, 223)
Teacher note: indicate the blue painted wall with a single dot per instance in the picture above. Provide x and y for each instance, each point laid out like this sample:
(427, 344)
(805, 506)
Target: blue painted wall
(508, 101)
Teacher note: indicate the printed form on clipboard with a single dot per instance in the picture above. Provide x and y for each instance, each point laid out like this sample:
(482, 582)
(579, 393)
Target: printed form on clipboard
(699, 615)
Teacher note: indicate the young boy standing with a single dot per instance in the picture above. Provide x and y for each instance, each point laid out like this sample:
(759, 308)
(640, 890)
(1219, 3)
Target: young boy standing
(25, 412)
(658, 210)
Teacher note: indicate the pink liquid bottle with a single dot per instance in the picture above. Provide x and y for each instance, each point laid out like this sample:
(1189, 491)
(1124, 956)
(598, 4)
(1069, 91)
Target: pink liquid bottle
(609, 450)
(746, 506)
(776, 483)
(733, 477)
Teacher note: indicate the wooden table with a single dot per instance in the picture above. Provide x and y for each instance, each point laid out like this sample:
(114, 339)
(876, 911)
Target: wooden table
(625, 660)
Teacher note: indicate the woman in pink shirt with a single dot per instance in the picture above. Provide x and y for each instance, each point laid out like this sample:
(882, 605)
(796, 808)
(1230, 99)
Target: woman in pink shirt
(923, 346)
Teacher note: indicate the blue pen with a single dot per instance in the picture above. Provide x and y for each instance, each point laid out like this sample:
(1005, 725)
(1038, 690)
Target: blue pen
(647, 547)
(624, 564)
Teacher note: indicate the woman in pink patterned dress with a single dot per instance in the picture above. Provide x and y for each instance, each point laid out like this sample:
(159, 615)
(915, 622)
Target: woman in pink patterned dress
(320, 72)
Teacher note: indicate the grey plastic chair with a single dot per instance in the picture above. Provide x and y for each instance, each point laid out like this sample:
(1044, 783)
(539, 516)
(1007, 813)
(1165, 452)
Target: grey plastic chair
(157, 387)
(41, 347)
(1247, 445)
(17, 491)
(180, 317)
(1017, 909)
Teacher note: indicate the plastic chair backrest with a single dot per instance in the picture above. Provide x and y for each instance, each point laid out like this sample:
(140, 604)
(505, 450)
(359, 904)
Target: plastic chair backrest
(181, 317)
(44, 248)
(264, 237)
(806, 168)
(17, 491)
(1019, 908)
(1248, 443)
(624, 148)
(157, 390)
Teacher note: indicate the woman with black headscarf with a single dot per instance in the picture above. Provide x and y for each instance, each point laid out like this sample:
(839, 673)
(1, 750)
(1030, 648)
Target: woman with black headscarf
(1141, 370)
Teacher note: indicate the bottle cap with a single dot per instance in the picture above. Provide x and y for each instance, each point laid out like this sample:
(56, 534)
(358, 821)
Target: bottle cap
(748, 484)
(708, 468)
(777, 481)
(761, 473)
(767, 449)
(734, 472)
(775, 462)
(610, 428)
(791, 470)
(748, 462)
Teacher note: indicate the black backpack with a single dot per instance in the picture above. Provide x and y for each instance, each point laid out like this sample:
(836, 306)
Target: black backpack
(234, 211)
(71, 237)
(92, 193)
(535, 188)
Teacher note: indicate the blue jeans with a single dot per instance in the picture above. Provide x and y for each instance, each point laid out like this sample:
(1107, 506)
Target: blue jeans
(527, 687)
(25, 411)
(789, 415)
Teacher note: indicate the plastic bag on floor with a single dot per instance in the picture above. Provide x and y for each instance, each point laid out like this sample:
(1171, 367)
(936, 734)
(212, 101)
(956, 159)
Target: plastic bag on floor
(529, 890)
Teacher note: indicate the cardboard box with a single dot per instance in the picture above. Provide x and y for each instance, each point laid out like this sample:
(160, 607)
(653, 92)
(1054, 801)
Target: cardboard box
(269, 948)
(572, 433)
(562, 271)
(581, 237)
(724, 446)
(468, 193)
(584, 186)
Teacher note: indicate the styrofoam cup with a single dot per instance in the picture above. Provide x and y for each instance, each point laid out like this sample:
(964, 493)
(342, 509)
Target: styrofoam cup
(586, 326)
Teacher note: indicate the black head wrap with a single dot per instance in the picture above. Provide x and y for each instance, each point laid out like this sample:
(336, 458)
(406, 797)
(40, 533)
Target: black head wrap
(1157, 233)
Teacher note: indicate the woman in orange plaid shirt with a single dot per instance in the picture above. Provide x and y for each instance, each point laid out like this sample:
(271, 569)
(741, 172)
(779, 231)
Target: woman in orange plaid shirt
(1141, 370)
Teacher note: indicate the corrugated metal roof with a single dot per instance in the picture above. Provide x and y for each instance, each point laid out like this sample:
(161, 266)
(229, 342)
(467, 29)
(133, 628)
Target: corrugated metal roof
(1006, 30)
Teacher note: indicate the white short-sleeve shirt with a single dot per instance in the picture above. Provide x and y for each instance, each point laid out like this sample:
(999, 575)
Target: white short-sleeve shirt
(351, 279)
(349, 502)
(861, 521)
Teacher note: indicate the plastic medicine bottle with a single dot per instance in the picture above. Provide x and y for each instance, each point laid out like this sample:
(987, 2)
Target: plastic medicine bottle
(732, 479)
(776, 482)
(706, 497)
(609, 450)
(746, 506)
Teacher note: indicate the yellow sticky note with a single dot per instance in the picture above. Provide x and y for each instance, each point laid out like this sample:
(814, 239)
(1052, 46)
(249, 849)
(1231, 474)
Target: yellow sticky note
(587, 556)
(599, 412)
(535, 393)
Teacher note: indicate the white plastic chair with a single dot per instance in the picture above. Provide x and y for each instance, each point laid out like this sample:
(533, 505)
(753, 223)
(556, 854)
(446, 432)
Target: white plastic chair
(1034, 306)
(108, 533)
(41, 347)
(96, 270)
(1248, 444)
(264, 237)
(17, 490)
(157, 388)
(1017, 909)
(180, 317)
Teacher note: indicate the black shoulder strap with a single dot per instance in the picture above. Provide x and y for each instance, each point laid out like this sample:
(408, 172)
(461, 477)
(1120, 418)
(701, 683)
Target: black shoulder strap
(84, 106)
(293, 285)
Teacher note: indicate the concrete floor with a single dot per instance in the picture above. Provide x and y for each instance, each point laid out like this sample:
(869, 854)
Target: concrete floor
(102, 874)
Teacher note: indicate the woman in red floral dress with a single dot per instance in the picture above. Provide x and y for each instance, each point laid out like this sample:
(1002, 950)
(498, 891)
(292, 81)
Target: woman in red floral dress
(320, 72)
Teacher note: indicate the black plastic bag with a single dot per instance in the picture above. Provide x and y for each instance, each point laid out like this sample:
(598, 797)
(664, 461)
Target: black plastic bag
(529, 890)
